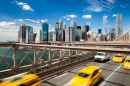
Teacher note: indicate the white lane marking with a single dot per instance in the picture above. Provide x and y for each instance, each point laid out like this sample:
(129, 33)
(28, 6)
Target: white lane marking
(49, 78)
(103, 84)
(111, 75)
(61, 75)
(99, 66)
(114, 71)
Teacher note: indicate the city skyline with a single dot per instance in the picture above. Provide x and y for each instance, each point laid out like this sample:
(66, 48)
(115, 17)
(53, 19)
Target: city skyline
(17, 12)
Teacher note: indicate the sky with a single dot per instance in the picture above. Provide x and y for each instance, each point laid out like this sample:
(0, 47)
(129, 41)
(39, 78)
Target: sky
(14, 13)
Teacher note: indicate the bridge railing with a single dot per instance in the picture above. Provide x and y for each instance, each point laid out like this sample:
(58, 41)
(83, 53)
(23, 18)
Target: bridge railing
(18, 58)
(38, 58)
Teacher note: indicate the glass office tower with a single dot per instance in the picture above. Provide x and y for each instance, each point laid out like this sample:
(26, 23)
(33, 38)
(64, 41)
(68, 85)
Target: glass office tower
(29, 31)
(44, 32)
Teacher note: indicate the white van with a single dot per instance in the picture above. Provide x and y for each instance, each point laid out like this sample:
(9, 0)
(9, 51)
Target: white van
(102, 56)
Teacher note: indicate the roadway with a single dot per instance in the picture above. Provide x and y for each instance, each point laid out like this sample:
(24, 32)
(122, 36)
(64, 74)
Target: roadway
(113, 74)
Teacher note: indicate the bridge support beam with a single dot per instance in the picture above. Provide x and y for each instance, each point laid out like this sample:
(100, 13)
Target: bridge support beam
(35, 60)
(69, 57)
(76, 56)
(15, 67)
(49, 58)
(60, 58)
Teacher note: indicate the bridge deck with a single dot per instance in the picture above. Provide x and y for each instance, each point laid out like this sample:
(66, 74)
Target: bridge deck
(113, 75)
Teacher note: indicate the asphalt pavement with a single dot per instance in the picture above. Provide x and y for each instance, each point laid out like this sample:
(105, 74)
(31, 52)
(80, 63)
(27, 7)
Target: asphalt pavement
(113, 74)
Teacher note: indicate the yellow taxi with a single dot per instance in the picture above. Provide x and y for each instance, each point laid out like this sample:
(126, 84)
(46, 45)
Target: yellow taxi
(25, 80)
(126, 64)
(118, 58)
(87, 76)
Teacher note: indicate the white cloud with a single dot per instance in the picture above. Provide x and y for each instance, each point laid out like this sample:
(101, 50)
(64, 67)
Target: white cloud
(24, 6)
(94, 9)
(20, 20)
(5, 24)
(9, 33)
(67, 18)
(64, 16)
(111, 1)
(27, 7)
(45, 20)
(113, 15)
(123, 6)
(31, 20)
(100, 5)
(20, 3)
(9, 30)
(71, 16)
(87, 16)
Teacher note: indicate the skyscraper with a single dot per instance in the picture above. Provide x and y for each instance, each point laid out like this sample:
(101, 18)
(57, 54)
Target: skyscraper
(84, 35)
(18, 36)
(113, 34)
(89, 24)
(60, 24)
(38, 37)
(99, 31)
(29, 31)
(73, 27)
(64, 25)
(73, 24)
(57, 34)
(119, 29)
(105, 24)
(78, 34)
(79, 27)
(57, 25)
(22, 33)
(67, 35)
(50, 33)
(57, 30)
(33, 37)
(86, 28)
(44, 31)
(62, 35)
(54, 37)
(72, 33)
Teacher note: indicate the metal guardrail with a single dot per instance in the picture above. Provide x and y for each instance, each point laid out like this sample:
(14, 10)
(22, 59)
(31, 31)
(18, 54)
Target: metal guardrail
(63, 57)
(62, 69)
(73, 53)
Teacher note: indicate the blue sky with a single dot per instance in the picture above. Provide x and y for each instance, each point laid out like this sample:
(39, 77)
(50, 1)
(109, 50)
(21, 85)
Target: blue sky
(14, 13)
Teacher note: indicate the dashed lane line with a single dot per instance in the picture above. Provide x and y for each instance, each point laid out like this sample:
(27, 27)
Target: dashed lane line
(103, 84)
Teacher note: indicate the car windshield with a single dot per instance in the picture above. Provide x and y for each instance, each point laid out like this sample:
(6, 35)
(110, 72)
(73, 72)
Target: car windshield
(127, 60)
(84, 75)
(118, 56)
(100, 54)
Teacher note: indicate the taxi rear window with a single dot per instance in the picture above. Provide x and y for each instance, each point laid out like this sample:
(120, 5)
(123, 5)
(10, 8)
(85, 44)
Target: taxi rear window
(118, 56)
(127, 60)
(84, 75)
